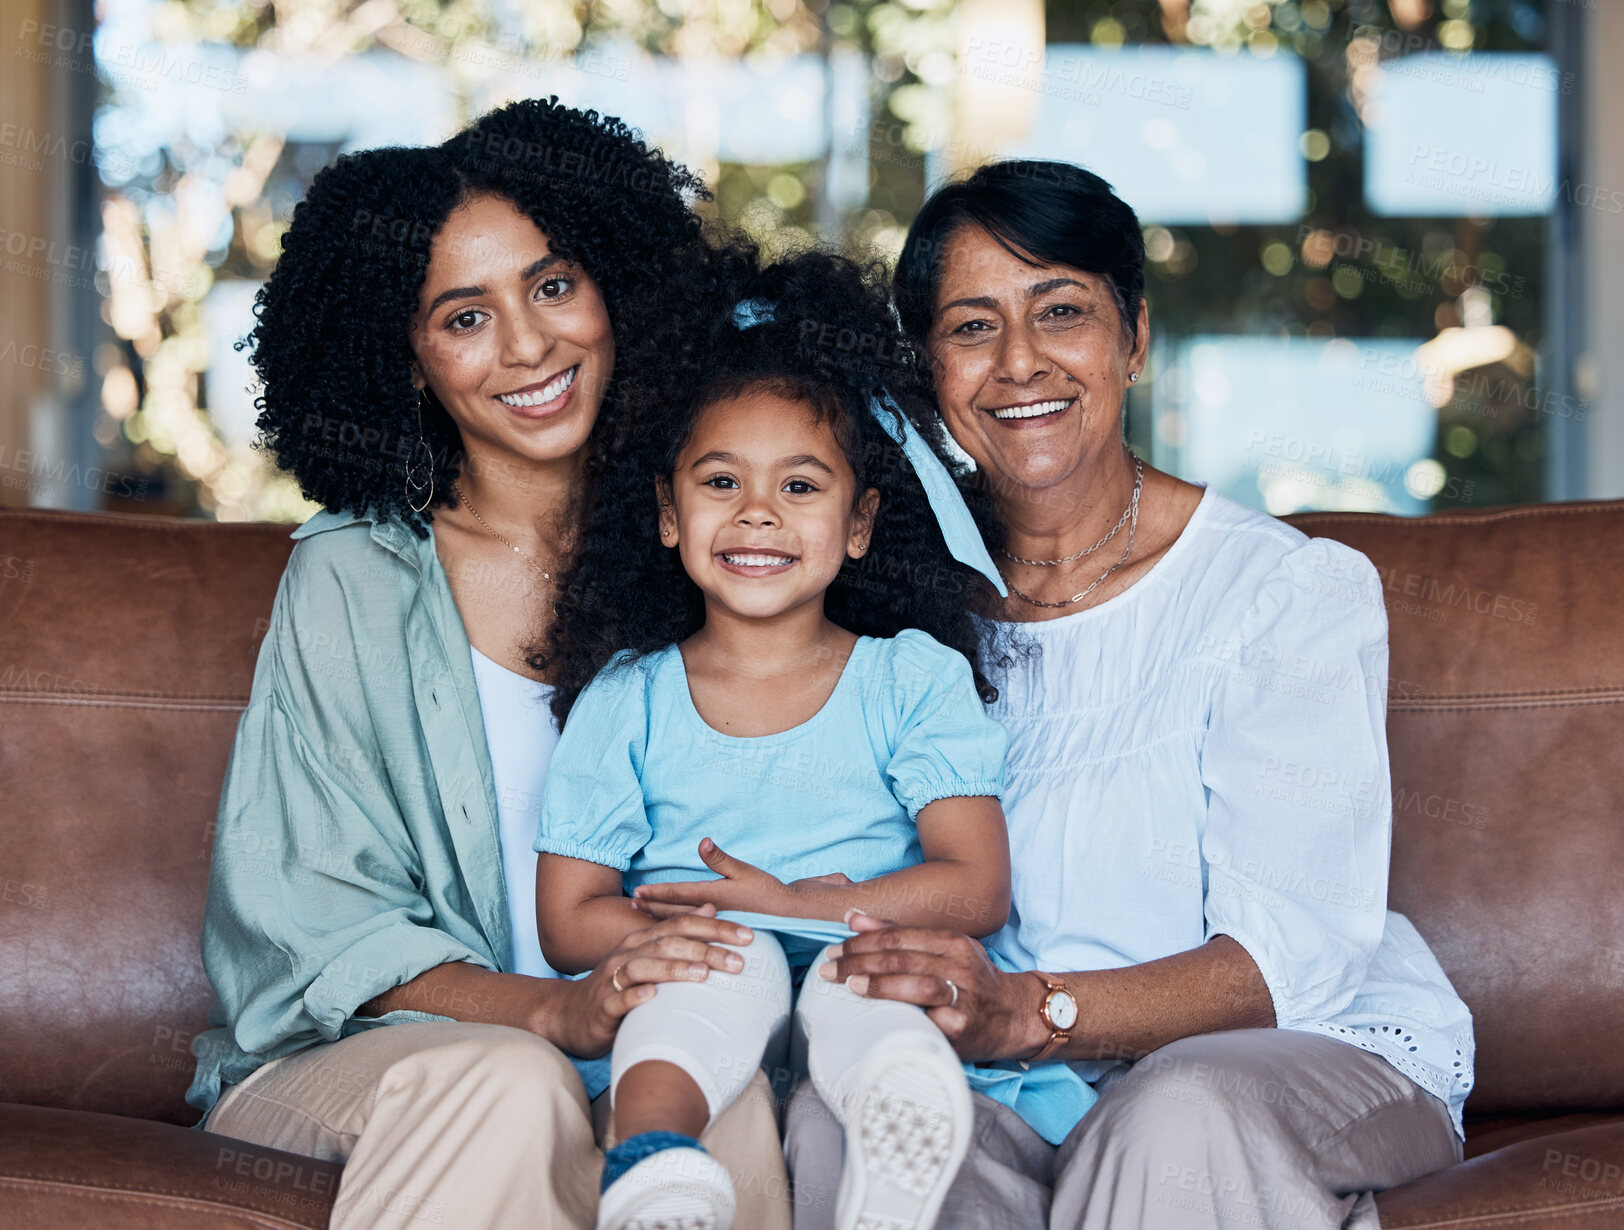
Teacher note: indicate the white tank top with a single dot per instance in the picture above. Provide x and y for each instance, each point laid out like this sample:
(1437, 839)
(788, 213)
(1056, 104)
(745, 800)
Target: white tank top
(521, 734)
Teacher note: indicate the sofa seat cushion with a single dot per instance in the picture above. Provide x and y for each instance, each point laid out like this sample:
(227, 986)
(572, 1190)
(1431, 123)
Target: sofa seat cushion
(62, 1169)
(1569, 1179)
(1487, 1135)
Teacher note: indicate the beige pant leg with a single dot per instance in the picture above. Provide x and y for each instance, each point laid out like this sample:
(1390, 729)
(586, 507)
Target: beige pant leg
(456, 1124)
(1271, 1128)
(437, 1123)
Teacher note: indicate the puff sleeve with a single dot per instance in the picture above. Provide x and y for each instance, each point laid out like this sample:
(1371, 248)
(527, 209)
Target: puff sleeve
(945, 745)
(1295, 764)
(592, 803)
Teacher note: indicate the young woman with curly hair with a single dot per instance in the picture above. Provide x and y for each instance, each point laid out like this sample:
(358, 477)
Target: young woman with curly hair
(788, 694)
(447, 347)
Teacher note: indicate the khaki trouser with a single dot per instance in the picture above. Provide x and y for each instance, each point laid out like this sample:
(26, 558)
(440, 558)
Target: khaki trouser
(455, 1124)
(1256, 1129)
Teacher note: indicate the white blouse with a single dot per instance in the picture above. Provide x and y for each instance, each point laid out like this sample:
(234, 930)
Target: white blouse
(1206, 754)
(521, 734)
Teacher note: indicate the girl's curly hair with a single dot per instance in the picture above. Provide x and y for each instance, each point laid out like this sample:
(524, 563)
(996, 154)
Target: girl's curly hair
(330, 344)
(831, 340)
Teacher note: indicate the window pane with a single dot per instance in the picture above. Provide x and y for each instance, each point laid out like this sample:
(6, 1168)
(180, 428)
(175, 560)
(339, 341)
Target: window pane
(1462, 134)
(1183, 135)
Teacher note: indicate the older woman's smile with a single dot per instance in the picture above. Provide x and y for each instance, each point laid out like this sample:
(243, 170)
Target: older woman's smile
(1023, 411)
(1030, 362)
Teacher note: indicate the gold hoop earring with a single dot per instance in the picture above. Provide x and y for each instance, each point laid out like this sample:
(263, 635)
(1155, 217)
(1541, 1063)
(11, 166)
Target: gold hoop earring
(420, 465)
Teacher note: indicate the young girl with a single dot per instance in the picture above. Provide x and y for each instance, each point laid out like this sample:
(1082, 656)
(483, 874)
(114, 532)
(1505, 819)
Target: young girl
(790, 696)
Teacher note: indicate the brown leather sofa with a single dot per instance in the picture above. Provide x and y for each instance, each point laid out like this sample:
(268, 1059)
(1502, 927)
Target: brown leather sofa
(126, 650)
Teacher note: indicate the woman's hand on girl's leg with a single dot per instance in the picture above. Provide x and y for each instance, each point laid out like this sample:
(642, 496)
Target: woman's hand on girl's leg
(985, 1013)
(681, 949)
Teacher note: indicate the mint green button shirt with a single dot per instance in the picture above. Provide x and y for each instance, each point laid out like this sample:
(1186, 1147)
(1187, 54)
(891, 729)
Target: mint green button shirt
(356, 844)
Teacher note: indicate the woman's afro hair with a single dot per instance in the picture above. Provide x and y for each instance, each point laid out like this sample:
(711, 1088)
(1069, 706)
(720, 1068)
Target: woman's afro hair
(832, 340)
(338, 408)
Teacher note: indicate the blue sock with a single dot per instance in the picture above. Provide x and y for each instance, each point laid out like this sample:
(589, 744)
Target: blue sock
(618, 1160)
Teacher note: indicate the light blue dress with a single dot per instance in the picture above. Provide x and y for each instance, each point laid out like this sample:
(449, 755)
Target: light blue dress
(638, 777)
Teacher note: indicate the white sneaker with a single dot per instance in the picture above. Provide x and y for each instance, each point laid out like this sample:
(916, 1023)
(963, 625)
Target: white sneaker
(674, 1189)
(908, 1120)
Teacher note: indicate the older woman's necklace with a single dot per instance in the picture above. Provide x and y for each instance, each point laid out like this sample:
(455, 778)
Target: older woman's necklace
(492, 532)
(1129, 517)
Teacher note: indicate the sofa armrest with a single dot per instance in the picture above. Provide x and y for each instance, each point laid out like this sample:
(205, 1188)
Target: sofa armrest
(1566, 1180)
(67, 1169)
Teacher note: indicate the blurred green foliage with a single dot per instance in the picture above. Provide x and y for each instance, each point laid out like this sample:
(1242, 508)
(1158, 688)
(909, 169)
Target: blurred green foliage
(1340, 272)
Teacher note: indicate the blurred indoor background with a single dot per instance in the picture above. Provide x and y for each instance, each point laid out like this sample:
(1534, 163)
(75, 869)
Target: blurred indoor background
(1384, 236)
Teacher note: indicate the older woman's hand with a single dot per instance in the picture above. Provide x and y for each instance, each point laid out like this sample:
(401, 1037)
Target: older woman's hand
(993, 1016)
(681, 949)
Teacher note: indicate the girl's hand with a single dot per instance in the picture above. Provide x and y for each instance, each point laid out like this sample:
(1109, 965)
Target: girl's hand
(681, 949)
(993, 1016)
(742, 887)
(837, 878)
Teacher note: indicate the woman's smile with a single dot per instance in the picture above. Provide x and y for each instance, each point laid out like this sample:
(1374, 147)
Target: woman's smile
(514, 340)
(544, 397)
(1031, 412)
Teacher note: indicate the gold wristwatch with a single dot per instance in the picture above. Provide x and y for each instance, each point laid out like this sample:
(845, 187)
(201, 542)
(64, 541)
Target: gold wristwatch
(1059, 1013)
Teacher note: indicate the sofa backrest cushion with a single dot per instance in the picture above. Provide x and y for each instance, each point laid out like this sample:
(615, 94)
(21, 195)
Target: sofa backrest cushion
(127, 646)
(1506, 726)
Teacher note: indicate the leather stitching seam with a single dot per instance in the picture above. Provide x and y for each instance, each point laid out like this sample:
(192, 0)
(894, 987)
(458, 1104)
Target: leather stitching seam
(135, 692)
(1459, 704)
(222, 704)
(1603, 507)
(153, 1196)
(1488, 1217)
(146, 521)
(1603, 690)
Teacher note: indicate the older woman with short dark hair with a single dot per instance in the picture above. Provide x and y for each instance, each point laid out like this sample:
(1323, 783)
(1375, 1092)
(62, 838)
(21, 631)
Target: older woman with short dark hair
(1199, 799)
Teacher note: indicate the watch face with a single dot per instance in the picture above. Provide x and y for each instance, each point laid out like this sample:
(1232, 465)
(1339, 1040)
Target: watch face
(1062, 1009)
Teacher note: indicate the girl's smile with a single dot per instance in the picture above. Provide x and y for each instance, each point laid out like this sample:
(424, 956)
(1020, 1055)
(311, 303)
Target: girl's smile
(756, 563)
(761, 504)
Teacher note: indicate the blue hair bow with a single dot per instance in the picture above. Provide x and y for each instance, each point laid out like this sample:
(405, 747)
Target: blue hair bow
(952, 514)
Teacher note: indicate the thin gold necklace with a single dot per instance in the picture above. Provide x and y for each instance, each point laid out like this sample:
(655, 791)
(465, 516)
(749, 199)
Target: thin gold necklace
(493, 533)
(1132, 515)
(1138, 481)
